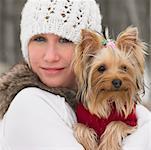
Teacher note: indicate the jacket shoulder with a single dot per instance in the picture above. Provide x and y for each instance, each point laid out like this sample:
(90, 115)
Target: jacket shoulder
(139, 140)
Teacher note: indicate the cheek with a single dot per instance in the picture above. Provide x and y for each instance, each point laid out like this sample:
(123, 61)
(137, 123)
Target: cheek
(34, 57)
(69, 54)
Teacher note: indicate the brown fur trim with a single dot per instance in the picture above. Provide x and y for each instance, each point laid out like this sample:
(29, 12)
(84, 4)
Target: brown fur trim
(20, 77)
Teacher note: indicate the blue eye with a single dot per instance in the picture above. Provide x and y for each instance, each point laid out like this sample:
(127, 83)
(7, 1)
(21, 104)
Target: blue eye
(64, 40)
(40, 39)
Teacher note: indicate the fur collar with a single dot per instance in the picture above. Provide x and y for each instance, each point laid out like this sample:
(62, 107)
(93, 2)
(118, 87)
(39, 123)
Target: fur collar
(20, 77)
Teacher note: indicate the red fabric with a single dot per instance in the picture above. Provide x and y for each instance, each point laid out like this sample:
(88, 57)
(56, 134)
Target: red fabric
(99, 124)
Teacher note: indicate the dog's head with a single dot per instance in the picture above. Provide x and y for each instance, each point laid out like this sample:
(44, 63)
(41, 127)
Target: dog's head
(109, 72)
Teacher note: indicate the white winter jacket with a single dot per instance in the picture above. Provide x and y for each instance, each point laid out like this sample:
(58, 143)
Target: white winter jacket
(39, 120)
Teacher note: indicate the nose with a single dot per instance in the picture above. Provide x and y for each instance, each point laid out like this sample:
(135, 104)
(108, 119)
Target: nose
(51, 53)
(117, 83)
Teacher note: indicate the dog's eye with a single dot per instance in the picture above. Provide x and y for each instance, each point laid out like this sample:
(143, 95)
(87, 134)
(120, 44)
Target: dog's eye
(102, 68)
(124, 68)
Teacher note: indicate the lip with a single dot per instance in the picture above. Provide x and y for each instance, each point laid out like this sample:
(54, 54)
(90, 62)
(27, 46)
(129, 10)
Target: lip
(52, 70)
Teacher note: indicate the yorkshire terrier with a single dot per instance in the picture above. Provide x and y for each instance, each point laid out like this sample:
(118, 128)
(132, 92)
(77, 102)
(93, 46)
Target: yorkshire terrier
(110, 78)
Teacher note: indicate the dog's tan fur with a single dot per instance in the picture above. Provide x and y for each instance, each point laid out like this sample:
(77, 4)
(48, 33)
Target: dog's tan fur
(95, 89)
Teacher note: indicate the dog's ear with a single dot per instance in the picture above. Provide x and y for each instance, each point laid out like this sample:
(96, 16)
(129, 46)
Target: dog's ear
(90, 41)
(85, 51)
(129, 42)
(128, 39)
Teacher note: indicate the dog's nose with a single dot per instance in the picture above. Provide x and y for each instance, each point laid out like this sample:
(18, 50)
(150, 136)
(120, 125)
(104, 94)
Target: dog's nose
(117, 83)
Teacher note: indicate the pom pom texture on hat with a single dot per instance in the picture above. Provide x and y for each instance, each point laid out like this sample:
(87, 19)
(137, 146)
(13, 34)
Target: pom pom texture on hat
(64, 18)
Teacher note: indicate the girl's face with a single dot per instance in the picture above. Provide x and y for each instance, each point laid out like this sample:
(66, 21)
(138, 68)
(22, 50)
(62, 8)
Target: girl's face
(50, 58)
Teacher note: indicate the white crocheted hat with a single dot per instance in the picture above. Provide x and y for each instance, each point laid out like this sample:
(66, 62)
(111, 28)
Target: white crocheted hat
(64, 18)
